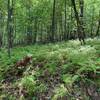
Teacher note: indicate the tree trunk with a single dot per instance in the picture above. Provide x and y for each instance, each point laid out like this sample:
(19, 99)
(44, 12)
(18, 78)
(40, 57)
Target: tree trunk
(35, 31)
(80, 29)
(1, 35)
(92, 23)
(65, 34)
(53, 22)
(9, 29)
(97, 33)
(98, 28)
(0, 39)
(29, 28)
(41, 35)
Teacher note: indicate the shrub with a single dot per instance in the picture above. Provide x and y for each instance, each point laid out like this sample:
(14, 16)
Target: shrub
(29, 83)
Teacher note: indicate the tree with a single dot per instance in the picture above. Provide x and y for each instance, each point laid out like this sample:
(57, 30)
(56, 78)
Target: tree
(32, 21)
(80, 28)
(1, 33)
(9, 28)
(65, 36)
(53, 22)
(98, 28)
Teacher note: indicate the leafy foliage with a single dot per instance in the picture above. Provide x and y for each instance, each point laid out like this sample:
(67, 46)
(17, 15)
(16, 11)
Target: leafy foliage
(57, 70)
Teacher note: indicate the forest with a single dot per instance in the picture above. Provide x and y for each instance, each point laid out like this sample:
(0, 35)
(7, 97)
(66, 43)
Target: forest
(49, 50)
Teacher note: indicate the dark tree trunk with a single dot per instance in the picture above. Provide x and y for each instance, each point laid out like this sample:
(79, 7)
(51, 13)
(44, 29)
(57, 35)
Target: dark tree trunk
(65, 28)
(71, 18)
(61, 28)
(9, 29)
(11, 21)
(80, 29)
(13, 31)
(92, 23)
(1, 34)
(0, 39)
(53, 22)
(35, 31)
(82, 32)
(29, 28)
(98, 28)
(97, 33)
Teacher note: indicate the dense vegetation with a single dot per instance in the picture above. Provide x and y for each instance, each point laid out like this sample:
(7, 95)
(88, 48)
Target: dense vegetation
(49, 50)
(42, 21)
(63, 70)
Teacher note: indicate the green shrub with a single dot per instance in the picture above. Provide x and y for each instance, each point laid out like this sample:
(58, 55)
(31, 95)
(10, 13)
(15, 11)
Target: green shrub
(59, 92)
(28, 83)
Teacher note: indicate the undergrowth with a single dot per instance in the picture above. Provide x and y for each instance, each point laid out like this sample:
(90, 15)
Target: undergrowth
(62, 71)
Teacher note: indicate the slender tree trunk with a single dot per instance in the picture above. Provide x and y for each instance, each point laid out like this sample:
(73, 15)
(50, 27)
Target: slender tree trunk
(1, 32)
(53, 22)
(92, 23)
(13, 22)
(82, 35)
(65, 28)
(61, 29)
(35, 31)
(1, 41)
(29, 28)
(97, 33)
(98, 28)
(9, 30)
(41, 32)
(71, 18)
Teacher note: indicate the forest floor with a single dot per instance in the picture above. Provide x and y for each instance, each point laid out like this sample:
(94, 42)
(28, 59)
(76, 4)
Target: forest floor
(60, 71)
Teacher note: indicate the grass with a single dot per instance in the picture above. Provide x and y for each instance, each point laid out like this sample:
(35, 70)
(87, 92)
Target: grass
(57, 71)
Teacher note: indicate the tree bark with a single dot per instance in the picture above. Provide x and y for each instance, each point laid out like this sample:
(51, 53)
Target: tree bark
(53, 22)
(1, 34)
(9, 29)
(35, 31)
(29, 27)
(92, 23)
(79, 20)
(65, 34)
(98, 28)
